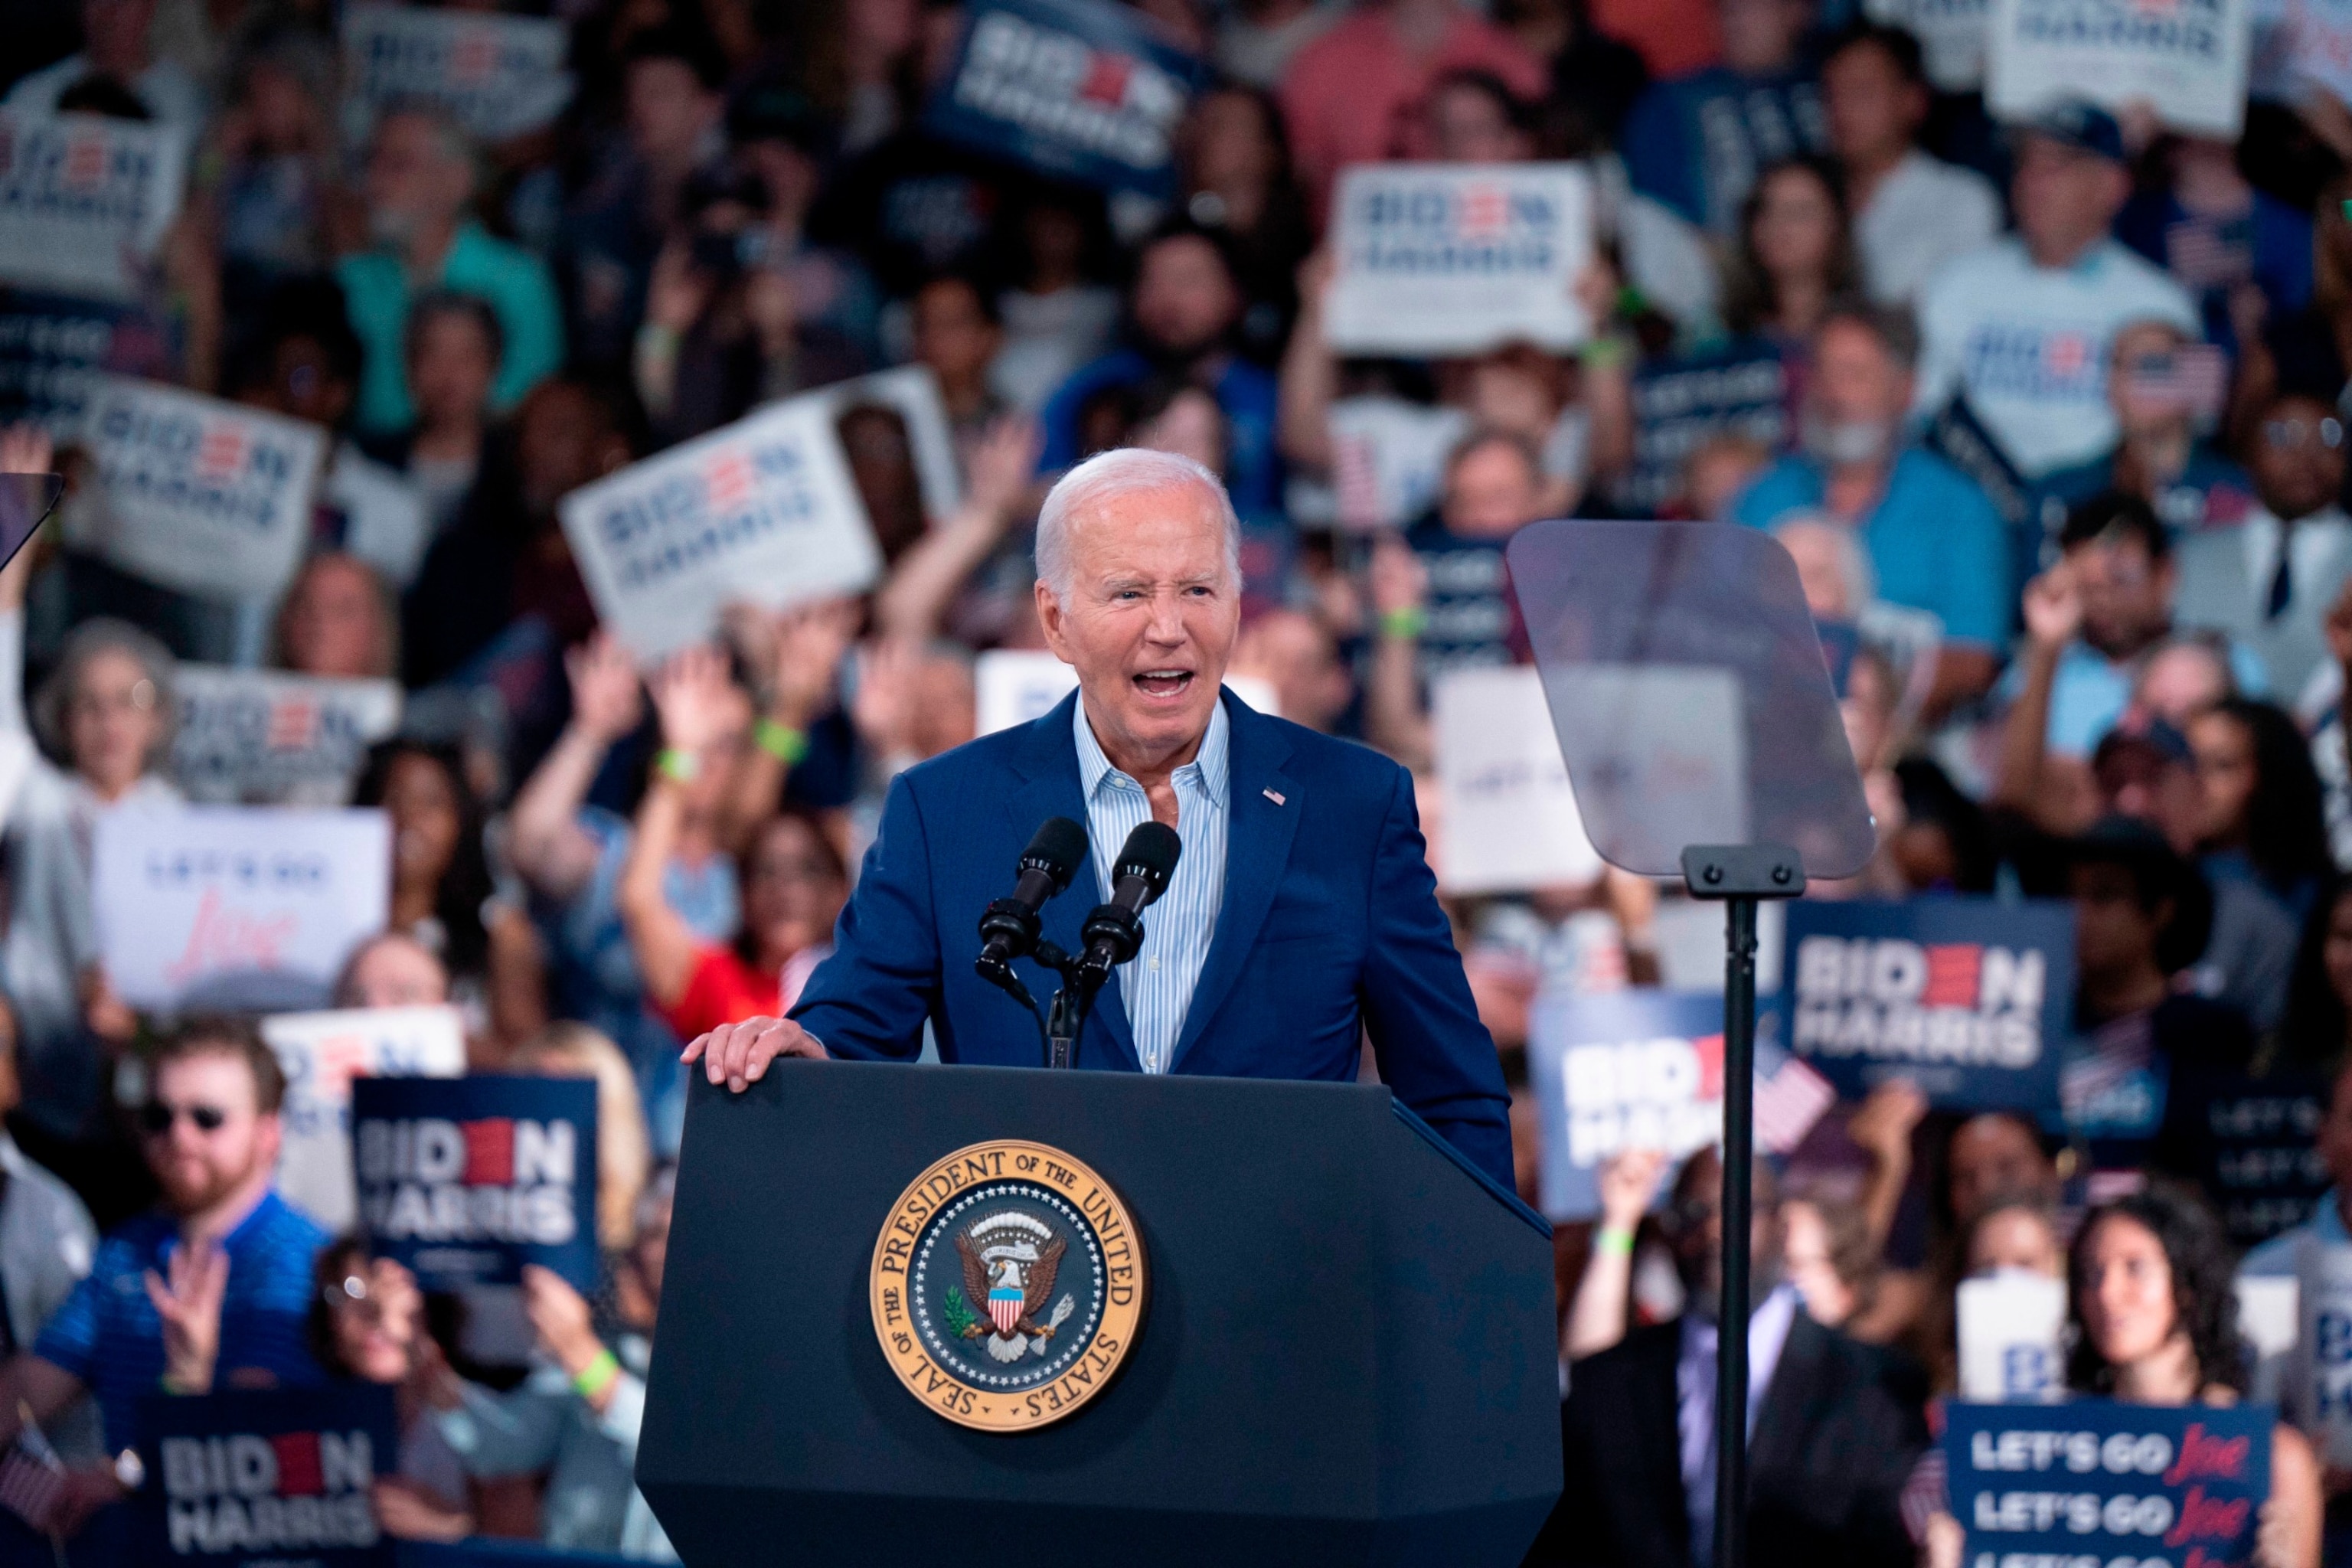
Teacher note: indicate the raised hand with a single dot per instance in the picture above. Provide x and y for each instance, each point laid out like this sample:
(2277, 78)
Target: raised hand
(1628, 1181)
(1881, 1126)
(1003, 464)
(189, 1303)
(2054, 608)
(606, 700)
(690, 693)
(811, 640)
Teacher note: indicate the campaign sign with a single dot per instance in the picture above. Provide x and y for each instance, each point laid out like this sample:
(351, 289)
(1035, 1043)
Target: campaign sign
(321, 1053)
(262, 736)
(1388, 459)
(234, 907)
(53, 349)
(1456, 258)
(497, 76)
(198, 494)
(1681, 403)
(267, 1478)
(1511, 823)
(1079, 90)
(761, 511)
(2254, 1151)
(466, 1180)
(2186, 59)
(2094, 1482)
(1617, 1070)
(85, 200)
(2011, 1336)
(1967, 998)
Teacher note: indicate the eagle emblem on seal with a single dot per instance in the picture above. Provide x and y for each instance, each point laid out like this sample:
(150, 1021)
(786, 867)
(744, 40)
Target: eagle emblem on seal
(1009, 1263)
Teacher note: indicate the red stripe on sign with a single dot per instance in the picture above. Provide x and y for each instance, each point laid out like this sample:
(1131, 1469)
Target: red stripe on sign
(1107, 76)
(1710, 1066)
(298, 1463)
(489, 1152)
(1954, 973)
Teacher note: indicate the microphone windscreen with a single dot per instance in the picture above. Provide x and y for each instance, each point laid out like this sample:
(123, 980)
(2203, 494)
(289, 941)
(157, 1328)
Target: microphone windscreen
(1150, 853)
(1057, 849)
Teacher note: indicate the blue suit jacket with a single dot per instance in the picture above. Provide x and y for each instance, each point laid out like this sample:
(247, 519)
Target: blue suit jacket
(1329, 925)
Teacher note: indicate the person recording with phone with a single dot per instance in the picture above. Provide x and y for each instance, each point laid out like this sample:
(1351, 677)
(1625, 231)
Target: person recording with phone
(1295, 912)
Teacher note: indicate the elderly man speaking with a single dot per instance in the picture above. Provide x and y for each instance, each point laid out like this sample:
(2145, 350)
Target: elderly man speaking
(1301, 912)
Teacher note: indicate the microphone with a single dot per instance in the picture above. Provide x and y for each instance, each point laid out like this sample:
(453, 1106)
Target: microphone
(1113, 931)
(1009, 928)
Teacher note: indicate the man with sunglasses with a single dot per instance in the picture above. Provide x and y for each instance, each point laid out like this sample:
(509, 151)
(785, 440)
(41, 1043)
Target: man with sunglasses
(2270, 582)
(210, 1289)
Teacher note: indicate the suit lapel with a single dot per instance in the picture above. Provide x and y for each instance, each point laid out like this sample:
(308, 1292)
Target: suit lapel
(1258, 831)
(1053, 789)
(1781, 1422)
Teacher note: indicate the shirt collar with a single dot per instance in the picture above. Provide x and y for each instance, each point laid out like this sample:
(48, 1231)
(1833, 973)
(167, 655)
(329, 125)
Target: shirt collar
(1208, 766)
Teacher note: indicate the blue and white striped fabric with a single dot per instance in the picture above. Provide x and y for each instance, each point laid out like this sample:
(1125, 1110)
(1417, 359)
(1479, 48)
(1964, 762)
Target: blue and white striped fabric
(1156, 985)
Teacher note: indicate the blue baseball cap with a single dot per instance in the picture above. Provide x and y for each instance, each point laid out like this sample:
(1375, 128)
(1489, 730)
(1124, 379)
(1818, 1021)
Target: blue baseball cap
(2077, 123)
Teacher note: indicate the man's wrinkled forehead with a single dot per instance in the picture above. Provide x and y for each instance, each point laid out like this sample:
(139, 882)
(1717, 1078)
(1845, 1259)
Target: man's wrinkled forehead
(1175, 531)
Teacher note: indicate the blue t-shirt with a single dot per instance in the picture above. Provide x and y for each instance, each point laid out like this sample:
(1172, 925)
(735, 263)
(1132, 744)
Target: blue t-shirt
(512, 280)
(1934, 540)
(2089, 691)
(1244, 392)
(107, 1333)
(1697, 143)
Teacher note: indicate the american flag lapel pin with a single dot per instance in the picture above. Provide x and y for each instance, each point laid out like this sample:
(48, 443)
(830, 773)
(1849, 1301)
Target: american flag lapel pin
(1274, 796)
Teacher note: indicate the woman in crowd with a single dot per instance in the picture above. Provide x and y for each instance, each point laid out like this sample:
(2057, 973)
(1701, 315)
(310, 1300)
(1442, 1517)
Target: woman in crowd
(791, 878)
(367, 1324)
(339, 620)
(452, 350)
(442, 894)
(2015, 1232)
(1234, 163)
(1828, 1254)
(1796, 254)
(2153, 1310)
(2262, 817)
(2319, 1027)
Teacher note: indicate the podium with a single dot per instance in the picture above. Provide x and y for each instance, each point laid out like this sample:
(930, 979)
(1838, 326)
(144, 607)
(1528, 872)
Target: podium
(1347, 1351)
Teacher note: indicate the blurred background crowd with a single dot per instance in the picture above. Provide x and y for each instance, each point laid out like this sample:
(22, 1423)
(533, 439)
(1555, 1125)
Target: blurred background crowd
(2052, 415)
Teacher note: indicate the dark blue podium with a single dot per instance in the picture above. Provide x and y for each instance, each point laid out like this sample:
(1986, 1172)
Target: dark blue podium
(1348, 1353)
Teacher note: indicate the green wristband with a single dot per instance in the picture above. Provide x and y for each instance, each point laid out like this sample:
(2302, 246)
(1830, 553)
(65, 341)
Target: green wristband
(780, 741)
(598, 1375)
(1611, 1242)
(1404, 625)
(677, 766)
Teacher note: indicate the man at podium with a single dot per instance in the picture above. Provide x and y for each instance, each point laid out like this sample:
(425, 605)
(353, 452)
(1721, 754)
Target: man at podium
(1300, 915)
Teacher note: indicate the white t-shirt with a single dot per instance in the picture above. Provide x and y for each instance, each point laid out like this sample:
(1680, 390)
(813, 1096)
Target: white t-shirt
(2029, 345)
(170, 93)
(1923, 214)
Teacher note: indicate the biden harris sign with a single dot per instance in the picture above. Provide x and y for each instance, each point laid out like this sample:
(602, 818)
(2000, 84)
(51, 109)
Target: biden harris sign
(1967, 998)
(1080, 90)
(466, 1180)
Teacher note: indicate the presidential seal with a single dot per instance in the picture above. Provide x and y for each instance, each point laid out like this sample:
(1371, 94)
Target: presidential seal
(1007, 1285)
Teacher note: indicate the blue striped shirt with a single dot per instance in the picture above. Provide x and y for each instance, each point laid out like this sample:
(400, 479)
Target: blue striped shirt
(1156, 985)
(108, 1335)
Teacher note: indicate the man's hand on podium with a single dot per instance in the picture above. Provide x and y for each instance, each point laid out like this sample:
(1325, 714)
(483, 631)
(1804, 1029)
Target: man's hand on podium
(738, 1054)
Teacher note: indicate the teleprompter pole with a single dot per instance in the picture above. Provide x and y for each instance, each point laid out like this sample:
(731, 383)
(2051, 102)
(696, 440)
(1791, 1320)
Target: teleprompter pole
(1740, 876)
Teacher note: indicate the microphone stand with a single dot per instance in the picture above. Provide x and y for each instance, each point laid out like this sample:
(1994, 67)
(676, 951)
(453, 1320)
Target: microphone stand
(1060, 1027)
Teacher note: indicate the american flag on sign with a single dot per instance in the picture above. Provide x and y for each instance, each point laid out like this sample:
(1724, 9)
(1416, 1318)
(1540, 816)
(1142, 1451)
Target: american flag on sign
(2203, 256)
(1925, 1495)
(1789, 1097)
(85, 162)
(1107, 78)
(727, 480)
(31, 1477)
(1482, 210)
(293, 724)
(221, 453)
(2195, 376)
(473, 57)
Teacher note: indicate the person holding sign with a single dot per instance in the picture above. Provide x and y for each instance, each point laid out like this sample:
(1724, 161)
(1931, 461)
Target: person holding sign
(211, 1289)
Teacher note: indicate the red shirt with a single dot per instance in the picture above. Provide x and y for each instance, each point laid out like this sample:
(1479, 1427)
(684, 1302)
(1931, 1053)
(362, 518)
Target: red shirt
(723, 989)
(1351, 96)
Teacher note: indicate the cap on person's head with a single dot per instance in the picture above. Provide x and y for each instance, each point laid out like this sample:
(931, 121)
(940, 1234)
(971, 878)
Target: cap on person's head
(2077, 123)
(2159, 874)
(770, 110)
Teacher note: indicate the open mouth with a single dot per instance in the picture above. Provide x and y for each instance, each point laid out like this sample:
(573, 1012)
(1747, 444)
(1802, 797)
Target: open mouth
(1164, 682)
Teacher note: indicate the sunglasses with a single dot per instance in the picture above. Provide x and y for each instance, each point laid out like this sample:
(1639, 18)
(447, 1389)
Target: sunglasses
(155, 1117)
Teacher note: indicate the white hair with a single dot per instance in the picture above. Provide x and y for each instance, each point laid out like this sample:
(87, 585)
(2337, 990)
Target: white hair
(1121, 471)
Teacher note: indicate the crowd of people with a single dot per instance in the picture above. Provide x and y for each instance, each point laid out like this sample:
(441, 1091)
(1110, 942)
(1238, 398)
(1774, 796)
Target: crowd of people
(2050, 413)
